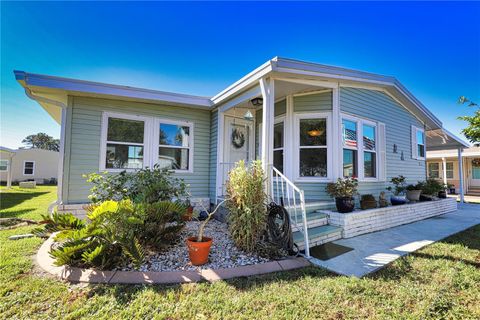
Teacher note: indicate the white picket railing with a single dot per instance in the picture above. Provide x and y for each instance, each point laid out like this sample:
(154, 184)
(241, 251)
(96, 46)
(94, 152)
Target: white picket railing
(286, 193)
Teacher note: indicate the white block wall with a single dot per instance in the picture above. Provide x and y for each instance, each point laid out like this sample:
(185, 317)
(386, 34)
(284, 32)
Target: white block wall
(365, 221)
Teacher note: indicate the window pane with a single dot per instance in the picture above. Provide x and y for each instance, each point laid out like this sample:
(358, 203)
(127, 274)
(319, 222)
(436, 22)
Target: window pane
(278, 160)
(313, 162)
(449, 165)
(420, 137)
(120, 156)
(29, 165)
(449, 170)
(421, 150)
(349, 133)
(278, 135)
(368, 137)
(28, 168)
(433, 170)
(349, 163)
(369, 165)
(174, 135)
(3, 165)
(313, 132)
(124, 130)
(173, 158)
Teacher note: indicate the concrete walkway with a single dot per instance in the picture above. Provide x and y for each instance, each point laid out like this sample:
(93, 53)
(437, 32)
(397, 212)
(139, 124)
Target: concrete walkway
(375, 250)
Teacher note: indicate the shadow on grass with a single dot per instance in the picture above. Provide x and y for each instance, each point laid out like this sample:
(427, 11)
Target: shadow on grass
(12, 199)
(14, 213)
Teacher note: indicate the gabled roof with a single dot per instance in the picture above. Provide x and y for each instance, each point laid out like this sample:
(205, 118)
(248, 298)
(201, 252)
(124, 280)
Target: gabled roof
(33, 83)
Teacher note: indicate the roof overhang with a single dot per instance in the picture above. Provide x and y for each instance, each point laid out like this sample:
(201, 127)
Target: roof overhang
(49, 90)
(442, 139)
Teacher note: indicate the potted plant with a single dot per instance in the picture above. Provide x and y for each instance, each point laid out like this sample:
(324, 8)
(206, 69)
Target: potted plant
(343, 191)
(414, 191)
(199, 246)
(382, 200)
(368, 202)
(430, 190)
(399, 188)
(451, 188)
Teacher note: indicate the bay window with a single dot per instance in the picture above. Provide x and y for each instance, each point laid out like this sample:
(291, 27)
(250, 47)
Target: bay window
(278, 145)
(369, 152)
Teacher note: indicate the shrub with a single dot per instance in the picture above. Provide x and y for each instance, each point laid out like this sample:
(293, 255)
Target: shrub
(343, 188)
(247, 204)
(118, 233)
(145, 185)
(399, 185)
(431, 187)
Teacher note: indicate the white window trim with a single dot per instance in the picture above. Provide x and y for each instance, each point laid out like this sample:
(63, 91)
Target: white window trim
(360, 122)
(150, 140)
(415, 151)
(8, 164)
(156, 144)
(296, 147)
(438, 170)
(33, 168)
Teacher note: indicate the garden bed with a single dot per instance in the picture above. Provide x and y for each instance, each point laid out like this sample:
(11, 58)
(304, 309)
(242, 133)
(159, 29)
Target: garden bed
(365, 221)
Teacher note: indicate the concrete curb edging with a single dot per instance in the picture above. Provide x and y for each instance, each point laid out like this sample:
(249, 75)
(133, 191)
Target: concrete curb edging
(74, 274)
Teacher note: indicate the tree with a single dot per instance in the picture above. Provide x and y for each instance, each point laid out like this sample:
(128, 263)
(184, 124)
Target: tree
(472, 132)
(42, 141)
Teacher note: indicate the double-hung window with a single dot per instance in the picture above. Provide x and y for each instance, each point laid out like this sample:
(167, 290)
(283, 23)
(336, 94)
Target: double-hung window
(360, 148)
(434, 170)
(418, 143)
(175, 141)
(125, 142)
(28, 168)
(3, 165)
(312, 135)
(369, 151)
(278, 144)
(350, 148)
(449, 170)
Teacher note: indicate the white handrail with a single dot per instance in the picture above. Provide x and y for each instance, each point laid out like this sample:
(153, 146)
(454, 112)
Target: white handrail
(286, 188)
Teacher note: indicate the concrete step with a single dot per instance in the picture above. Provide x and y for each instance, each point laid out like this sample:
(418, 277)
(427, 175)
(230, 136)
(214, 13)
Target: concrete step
(312, 206)
(314, 219)
(318, 235)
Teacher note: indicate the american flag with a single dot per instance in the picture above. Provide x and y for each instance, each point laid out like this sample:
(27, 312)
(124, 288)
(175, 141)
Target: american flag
(350, 137)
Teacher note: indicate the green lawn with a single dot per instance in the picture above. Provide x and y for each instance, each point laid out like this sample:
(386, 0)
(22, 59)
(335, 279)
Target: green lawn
(439, 281)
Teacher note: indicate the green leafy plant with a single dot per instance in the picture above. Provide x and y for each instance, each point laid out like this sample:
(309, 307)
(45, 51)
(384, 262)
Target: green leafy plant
(246, 201)
(399, 185)
(413, 187)
(145, 185)
(432, 187)
(472, 131)
(343, 188)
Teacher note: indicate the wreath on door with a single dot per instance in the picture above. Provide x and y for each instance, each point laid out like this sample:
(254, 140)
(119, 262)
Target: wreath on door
(238, 138)
(476, 162)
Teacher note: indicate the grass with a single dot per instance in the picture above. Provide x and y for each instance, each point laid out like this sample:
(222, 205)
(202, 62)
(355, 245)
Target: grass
(439, 281)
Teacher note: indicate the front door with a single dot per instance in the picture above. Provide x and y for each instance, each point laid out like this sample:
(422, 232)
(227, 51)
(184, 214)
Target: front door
(238, 144)
(475, 180)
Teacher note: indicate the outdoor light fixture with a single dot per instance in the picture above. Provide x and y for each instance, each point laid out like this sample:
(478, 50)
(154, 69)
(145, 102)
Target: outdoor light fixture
(248, 116)
(315, 133)
(257, 102)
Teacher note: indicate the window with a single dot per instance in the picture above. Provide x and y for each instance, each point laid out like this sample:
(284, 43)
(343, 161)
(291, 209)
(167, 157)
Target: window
(174, 143)
(350, 148)
(312, 147)
(418, 143)
(3, 165)
(449, 170)
(369, 152)
(278, 145)
(433, 170)
(28, 168)
(124, 143)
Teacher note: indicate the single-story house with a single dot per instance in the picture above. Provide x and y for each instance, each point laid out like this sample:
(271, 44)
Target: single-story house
(444, 166)
(309, 124)
(36, 165)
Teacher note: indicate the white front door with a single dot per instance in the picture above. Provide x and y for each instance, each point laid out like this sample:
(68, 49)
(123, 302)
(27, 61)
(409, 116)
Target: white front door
(238, 144)
(475, 176)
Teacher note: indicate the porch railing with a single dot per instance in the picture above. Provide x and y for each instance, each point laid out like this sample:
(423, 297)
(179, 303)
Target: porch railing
(286, 193)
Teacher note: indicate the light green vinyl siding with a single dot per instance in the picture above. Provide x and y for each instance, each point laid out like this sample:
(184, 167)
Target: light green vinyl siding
(313, 102)
(83, 131)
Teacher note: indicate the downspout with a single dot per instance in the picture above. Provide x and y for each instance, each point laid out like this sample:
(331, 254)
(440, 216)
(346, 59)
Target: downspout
(61, 163)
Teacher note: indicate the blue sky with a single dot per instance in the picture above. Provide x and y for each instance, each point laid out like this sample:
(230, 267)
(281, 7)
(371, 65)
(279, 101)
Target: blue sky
(200, 48)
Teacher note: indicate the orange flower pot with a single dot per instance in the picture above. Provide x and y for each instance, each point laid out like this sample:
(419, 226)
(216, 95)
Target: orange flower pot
(198, 251)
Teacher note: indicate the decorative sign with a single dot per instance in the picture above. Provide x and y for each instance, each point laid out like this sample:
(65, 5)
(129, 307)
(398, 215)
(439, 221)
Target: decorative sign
(238, 138)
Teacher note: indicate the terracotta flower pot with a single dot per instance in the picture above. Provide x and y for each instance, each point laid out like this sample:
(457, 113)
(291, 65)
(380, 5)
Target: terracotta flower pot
(199, 251)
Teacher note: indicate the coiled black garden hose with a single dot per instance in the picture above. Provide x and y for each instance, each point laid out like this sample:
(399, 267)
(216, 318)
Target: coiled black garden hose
(279, 229)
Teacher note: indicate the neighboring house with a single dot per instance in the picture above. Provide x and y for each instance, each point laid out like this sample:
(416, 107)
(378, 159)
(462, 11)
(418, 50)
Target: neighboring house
(314, 123)
(444, 166)
(28, 164)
